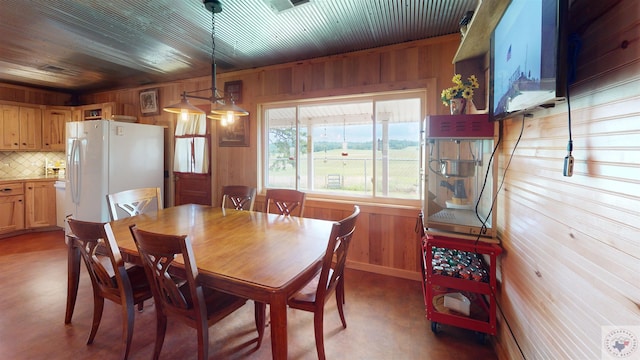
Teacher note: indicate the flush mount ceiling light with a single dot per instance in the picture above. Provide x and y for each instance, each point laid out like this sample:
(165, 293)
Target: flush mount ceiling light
(222, 108)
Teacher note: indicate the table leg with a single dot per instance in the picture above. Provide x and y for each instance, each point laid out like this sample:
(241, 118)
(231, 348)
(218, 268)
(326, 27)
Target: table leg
(278, 311)
(73, 278)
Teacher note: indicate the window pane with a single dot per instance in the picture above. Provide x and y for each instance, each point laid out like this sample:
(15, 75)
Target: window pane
(340, 156)
(398, 152)
(281, 148)
(191, 147)
(339, 147)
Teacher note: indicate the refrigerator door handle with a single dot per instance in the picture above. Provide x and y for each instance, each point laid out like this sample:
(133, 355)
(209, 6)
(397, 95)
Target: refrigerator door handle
(74, 180)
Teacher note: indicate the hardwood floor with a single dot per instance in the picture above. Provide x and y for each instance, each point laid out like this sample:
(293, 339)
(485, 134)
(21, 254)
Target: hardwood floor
(385, 319)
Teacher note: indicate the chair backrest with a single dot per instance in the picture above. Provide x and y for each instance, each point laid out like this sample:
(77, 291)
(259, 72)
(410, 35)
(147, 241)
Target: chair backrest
(101, 255)
(158, 253)
(238, 197)
(134, 202)
(285, 202)
(335, 258)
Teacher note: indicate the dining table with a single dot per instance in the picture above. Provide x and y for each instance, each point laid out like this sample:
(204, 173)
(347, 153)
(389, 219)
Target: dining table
(259, 256)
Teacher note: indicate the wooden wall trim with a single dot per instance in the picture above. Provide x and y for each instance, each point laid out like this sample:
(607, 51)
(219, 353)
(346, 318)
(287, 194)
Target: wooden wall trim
(384, 270)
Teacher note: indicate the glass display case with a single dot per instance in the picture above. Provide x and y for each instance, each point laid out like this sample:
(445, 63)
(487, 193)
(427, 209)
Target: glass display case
(459, 176)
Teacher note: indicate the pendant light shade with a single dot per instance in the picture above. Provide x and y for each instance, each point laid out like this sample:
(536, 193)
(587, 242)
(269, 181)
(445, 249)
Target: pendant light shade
(184, 108)
(224, 109)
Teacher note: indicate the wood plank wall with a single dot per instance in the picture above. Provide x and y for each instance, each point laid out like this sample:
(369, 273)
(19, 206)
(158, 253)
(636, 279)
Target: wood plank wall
(572, 250)
(572, 244)
(26, 95)
(386, 241)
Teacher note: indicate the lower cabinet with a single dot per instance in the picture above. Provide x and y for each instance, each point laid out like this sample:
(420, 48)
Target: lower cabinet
(11, 207)
(40, 207)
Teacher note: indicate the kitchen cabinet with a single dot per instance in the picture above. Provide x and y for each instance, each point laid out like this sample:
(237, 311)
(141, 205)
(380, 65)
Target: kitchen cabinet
(20, 128)
(100, 111)
(11, 207)
(40, 204)
(76, 114)
(54, 127)
(30, 128)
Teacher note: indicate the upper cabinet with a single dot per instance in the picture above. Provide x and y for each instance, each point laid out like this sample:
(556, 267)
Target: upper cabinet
(101, 111)
(54, 127)
(475, 45)
(30, 128)
(9, 127)
(34, 128)
(20, 128)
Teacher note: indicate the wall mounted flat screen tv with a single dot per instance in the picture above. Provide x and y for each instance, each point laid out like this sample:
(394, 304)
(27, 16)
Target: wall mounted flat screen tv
(528, 57)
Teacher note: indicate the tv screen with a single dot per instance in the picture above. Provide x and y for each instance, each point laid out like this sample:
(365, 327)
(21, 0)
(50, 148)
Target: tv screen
(528, 57)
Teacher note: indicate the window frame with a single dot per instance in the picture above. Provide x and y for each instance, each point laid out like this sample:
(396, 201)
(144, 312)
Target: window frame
(373, 97)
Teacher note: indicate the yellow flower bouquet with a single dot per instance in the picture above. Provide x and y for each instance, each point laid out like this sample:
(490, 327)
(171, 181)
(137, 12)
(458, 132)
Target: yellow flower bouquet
(461, 89)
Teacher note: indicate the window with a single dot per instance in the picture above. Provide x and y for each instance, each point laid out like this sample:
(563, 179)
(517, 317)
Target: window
(366, 146)
(191, 149)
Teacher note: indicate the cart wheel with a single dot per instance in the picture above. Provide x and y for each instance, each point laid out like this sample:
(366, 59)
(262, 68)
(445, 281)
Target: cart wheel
(481, 337)
(435, 327)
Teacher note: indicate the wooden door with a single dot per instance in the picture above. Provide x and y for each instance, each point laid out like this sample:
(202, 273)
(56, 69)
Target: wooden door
(192, 154)
(193, 188)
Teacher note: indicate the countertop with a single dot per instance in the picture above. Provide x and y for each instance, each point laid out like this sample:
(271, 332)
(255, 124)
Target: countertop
(30, 178)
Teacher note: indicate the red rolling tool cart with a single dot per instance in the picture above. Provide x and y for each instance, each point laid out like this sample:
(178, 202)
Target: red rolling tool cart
(459, 283)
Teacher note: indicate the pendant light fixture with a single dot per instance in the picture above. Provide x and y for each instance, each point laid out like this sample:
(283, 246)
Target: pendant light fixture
(221, 109)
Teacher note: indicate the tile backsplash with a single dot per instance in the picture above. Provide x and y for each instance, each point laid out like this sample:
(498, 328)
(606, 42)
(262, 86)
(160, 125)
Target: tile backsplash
(26, 163)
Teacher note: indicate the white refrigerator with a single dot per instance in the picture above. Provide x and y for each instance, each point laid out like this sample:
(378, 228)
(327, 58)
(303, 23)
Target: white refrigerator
(104, 157)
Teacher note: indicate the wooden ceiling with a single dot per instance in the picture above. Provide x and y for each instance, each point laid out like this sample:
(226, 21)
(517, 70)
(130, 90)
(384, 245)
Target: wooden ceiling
(90, 45)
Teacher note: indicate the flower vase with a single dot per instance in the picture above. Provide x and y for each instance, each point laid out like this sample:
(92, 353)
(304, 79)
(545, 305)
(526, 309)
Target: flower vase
(458, 106)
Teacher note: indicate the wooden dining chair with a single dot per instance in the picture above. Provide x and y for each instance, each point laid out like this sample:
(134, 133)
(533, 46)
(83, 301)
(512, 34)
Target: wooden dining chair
(285, 201)
(239, 197)
(312, 296)
(134, 201)
(185, 299)
(110, 278)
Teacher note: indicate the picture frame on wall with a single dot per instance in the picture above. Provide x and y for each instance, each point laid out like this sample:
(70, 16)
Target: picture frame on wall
(149, 102)
(233, 90)
(235, 134)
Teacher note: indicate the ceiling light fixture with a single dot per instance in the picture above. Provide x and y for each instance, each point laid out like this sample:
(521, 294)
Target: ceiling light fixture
(221, 108)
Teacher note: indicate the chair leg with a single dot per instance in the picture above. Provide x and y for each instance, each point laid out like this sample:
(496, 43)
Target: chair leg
(161, 328)
(318, 319)
(203, 341)
(73, 278)
(340, 303)
(127, 328)
(98, 305)
(260, 315)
